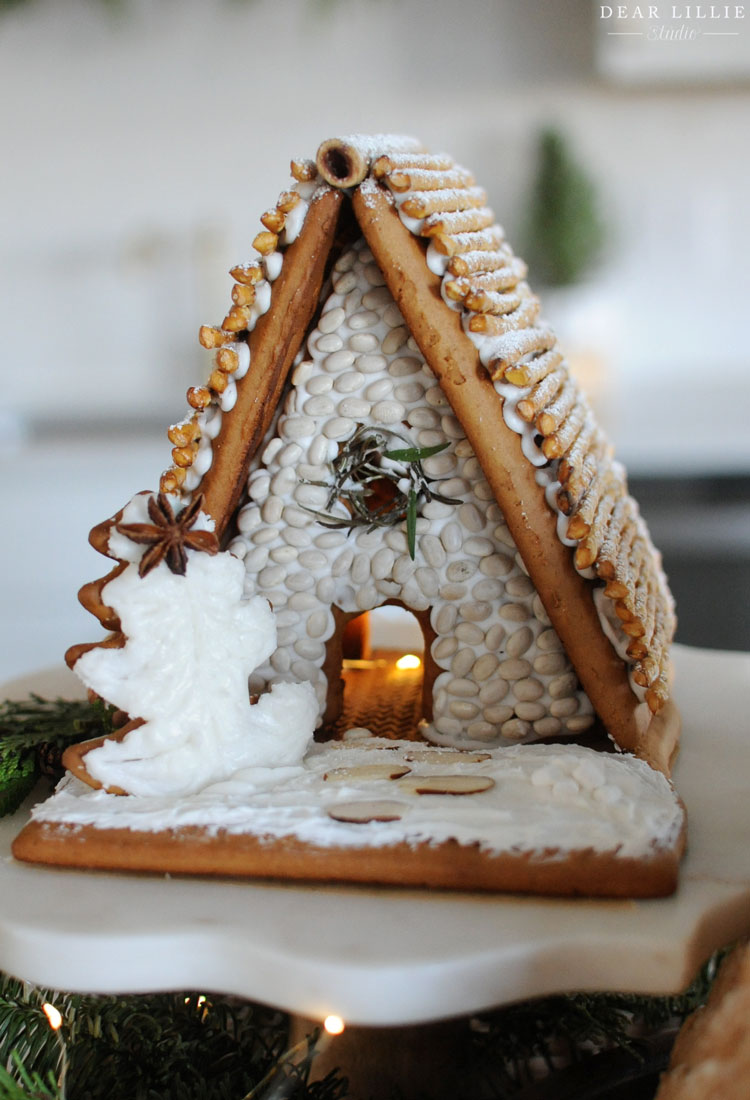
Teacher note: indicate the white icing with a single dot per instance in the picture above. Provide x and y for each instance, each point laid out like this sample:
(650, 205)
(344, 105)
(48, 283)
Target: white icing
(511, 395)
(544, 798)
(243, 354)
(293, 222)
(272, 265)
(191, 643)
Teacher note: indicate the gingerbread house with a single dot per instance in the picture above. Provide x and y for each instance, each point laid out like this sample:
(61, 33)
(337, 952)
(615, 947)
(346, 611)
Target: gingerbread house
(390, 421)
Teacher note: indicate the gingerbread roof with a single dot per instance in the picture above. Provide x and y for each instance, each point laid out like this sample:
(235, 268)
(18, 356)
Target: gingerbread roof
(465, 299)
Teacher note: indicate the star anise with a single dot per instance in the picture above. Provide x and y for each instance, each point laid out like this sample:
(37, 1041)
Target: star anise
(168, 536)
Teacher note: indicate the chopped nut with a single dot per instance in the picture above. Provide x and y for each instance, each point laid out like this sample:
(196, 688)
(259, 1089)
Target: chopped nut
(273, 220)
(171, 481)
(242, 294)
(211, 337)
(303, 170)
(266, 243)
(227, 360)
(218, 381)
(287, 201)
(237, 319)
(198, 397)
(247, 273)
(183, 456)
(183, 433)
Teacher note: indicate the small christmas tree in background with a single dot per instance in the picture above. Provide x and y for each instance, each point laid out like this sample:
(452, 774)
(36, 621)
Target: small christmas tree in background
(564, 234)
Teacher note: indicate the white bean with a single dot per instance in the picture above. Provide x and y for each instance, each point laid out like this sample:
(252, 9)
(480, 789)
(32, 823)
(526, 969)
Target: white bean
(338, 361)
(382, 562)
(272, 509)
(330, 342)
(353, 407)
(312, 559)
(515, 668)
(462, 662)
(363, 341)
(528, 690)
(283, 554)
(331, 320)
(395, 339)
(475, 611)
(519, 641)
(339, 427)
(462, 687)
(321, 405)
(451, 537)
(371, 364)
(470, 633)
(471, 517)
(388, 412)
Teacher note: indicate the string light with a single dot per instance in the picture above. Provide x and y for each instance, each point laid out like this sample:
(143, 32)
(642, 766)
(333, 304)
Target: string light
(53, 1015)
(333, 1025)
(409, 660)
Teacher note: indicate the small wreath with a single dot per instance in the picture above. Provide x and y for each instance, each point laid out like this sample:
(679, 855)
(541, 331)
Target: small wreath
(378, 479)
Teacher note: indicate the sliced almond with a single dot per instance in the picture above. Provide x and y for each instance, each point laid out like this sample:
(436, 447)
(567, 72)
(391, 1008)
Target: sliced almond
(445, 756)
(359, 773)
(359, 813)
(446, 784)
(364, 745)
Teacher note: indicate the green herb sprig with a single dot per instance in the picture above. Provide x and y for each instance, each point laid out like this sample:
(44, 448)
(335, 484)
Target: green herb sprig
(367, 478)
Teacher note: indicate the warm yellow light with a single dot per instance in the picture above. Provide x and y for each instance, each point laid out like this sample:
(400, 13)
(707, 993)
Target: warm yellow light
(53, 1015)
(334, 1025)
(409, 660)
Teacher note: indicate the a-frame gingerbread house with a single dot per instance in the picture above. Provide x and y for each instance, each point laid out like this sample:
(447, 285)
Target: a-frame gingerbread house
(386, 315)
(389, 421)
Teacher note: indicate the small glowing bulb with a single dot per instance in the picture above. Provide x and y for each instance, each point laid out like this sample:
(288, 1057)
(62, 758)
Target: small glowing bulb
(53, 1015)
(409, 660)
(334, 1025)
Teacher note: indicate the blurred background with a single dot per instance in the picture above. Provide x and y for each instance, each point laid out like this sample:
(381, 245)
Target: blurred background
(141, 139)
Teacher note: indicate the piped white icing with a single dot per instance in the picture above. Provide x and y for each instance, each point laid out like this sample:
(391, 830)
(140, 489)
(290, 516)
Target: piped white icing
(191, 643)
(544, 799)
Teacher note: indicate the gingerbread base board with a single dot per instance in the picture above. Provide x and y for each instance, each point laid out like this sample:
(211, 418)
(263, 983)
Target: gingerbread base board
(195, 851)
(554, 819)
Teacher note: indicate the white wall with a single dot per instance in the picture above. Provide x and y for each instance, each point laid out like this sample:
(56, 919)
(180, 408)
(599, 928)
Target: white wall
(140, 148)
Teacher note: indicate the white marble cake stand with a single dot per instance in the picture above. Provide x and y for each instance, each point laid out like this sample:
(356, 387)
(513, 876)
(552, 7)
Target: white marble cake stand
(381, 957)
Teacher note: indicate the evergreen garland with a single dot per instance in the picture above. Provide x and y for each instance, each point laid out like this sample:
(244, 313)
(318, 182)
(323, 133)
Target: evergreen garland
(170, 1046)
(187, 1046)
(33, 734)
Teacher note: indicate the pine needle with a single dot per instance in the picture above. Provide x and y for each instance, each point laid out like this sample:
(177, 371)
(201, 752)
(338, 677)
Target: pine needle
(32, 727)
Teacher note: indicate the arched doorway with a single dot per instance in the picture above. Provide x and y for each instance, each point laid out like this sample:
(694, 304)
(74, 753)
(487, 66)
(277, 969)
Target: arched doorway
(385, 678)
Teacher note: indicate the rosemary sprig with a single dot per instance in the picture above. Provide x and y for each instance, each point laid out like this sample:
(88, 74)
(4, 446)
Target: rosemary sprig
(367, 479)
